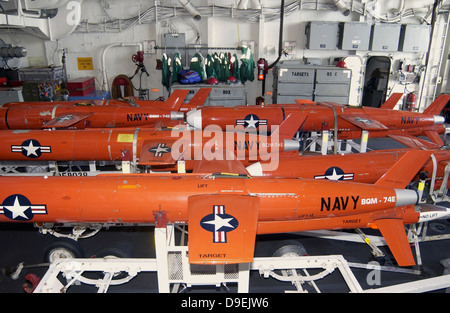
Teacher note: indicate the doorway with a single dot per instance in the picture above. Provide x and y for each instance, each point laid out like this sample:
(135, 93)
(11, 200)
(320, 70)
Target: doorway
(376, 81)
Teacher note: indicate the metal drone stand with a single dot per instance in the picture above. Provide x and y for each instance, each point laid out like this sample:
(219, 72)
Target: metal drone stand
(321, 141)
(174, 271)
(416, 232)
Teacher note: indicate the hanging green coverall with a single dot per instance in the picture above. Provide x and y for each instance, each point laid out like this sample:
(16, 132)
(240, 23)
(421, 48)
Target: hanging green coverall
(177, 67)
(248, 66)
(166, 71)
(197, 65)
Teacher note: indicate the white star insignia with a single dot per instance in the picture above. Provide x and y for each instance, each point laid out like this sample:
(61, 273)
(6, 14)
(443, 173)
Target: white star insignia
(160, 149)
(251, 123)
(31, 150)
(219, 222)
(17, 209)
(334, 175)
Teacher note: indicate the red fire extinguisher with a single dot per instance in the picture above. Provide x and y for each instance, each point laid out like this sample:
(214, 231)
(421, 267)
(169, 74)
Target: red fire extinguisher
(262, 69)
(411, 102)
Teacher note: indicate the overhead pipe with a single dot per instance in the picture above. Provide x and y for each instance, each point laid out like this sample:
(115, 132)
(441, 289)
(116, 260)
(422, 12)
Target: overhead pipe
(280, 42)
(243, 5)
(121, 44)
(430, 43)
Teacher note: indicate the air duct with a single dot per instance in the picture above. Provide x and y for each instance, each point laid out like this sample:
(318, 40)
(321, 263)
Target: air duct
(12, 52)
(191, 9)
(255, 4)
(342, 7)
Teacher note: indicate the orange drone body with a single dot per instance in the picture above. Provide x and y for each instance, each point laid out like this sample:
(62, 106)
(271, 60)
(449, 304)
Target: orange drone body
(162, 149)
(145, 146)
(196, 101)
(73, 115)
(224, 214)
(358, 167)
(349, 122)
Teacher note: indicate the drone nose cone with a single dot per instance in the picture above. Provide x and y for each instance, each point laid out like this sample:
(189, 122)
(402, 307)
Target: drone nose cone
(406, 197)
(194, 118)
(439, 119)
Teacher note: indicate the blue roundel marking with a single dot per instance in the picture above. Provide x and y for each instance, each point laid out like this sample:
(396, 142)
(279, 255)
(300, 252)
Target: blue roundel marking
(17, 207)
(219, 223)
(251, 121)
(31, 148)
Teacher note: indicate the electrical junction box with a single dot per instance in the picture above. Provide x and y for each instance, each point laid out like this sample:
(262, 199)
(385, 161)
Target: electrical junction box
(354, 36)
(322, 35)
(385, 37)
(414, 38)
(173, 42)
(332, 84)
(293, 80)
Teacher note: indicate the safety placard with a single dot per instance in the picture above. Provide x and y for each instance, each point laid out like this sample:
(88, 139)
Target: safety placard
(85, 64)
(125, 138)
